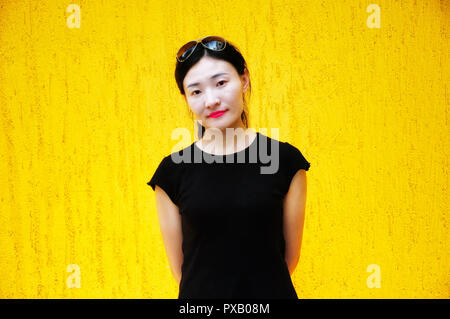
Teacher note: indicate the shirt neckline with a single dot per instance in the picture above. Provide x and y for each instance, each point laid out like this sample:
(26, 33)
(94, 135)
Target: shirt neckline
(230, 154)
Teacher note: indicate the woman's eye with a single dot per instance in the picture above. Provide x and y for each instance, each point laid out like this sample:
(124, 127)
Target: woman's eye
(194, 92)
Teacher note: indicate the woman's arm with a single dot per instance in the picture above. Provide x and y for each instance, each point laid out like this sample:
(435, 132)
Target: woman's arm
(170, 225)
(293, 218)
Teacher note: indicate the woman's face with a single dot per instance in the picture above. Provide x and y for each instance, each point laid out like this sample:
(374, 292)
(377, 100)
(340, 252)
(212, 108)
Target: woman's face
(213, 85)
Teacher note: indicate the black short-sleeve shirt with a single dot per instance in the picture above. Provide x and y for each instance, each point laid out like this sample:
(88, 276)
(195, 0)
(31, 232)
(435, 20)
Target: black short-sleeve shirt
(231, 208)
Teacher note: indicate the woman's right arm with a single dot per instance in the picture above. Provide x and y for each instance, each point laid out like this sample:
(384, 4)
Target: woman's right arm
(170, 225)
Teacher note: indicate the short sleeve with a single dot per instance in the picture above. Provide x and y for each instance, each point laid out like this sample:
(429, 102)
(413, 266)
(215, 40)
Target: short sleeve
(165, 178)
(295, 161)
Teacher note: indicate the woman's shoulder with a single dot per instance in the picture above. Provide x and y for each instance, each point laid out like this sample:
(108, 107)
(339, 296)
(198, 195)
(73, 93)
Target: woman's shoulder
(284, 146)
(289, 153)
(295, 157)
(178, 158)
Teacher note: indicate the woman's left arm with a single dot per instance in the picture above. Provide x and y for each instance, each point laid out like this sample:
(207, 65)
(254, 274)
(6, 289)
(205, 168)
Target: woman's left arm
(293, 218)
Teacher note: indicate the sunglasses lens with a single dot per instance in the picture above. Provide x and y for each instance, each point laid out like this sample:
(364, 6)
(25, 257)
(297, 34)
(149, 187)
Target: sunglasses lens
(186, 50)
(214, 43)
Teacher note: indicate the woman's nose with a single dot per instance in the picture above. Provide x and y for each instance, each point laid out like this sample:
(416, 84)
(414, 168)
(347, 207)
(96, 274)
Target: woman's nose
(211, 99)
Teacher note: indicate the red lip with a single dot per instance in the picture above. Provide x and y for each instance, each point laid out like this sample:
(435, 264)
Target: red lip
(217, 114)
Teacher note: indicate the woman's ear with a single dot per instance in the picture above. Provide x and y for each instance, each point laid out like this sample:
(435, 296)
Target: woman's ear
(245, 80)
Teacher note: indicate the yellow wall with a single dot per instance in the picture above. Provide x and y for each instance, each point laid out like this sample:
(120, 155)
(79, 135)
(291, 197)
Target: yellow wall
(87, 115)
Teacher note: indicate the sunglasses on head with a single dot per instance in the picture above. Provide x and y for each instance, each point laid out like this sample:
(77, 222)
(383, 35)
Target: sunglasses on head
(211, 42)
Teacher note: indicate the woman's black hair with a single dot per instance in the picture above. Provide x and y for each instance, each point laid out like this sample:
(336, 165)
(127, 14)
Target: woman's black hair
(230, 54)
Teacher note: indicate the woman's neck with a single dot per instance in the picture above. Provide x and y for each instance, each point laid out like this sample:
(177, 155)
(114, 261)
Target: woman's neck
(226, 141)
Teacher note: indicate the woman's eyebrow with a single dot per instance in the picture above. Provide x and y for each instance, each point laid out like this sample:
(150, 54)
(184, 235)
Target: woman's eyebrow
(214, 76)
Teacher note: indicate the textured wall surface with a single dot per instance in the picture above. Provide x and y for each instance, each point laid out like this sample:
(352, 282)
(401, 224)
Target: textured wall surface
(87, 115)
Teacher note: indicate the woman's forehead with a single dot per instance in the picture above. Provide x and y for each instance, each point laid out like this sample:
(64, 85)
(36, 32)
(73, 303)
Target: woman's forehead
(205, 69)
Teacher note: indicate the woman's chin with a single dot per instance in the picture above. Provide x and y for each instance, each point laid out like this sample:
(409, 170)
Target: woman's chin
(223, 123)
(218, 123)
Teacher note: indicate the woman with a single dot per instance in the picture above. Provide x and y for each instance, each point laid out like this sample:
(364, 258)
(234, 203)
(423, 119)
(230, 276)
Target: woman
(230, 229)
